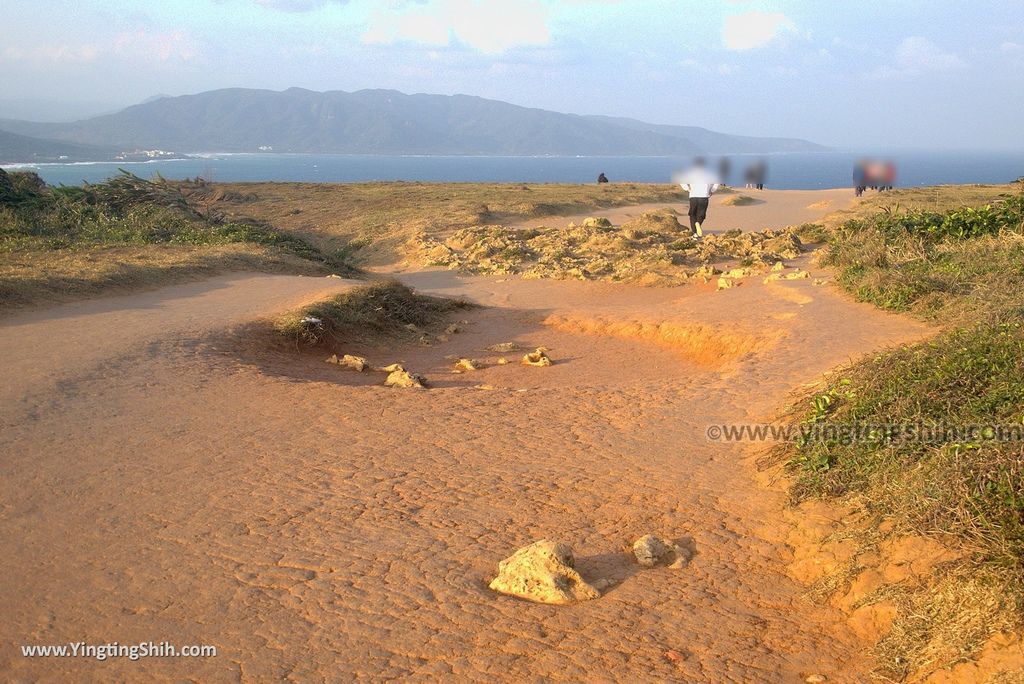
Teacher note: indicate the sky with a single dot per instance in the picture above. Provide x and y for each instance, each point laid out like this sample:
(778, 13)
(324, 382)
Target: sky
(930, 74)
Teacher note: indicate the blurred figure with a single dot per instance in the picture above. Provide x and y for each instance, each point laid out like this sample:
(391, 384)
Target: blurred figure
(724, 167)
(888, 175)
(876, 171)
(759, 171)
(748, 177)
(601, 178)
(874, 174)
(700, 184)
(860, 174)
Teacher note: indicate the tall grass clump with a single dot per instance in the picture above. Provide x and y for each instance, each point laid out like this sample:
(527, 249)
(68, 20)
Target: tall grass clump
(382, 309)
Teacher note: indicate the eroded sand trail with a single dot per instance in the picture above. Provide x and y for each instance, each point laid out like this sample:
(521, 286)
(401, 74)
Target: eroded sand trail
(161, 481)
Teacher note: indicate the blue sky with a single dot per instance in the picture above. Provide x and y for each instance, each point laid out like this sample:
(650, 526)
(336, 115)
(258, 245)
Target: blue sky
(906, 73)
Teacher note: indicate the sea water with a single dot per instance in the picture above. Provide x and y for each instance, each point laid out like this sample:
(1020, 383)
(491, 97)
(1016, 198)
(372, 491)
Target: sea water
(806, 171)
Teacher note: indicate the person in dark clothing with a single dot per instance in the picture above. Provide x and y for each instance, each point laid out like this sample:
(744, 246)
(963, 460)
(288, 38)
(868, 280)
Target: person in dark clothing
(760, 171)
(860, 175)
(700, 185)
(602, 178)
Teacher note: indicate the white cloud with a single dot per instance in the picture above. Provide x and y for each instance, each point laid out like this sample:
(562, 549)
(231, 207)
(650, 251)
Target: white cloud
(916, 56)
(52, 52)
(754, 29)
(141, 45)
(489, 26)
(295, 5)
(1011, 47)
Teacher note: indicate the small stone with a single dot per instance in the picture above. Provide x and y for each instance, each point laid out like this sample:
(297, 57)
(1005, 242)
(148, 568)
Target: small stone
(333, 358)
(356, 363)
(778, 266)
(502, 361)
(796, 275)
(816, 679)
(452, 329)
(650, 550)
(725, 283)
(537, 358)
(405, 379)
(467, 365)
(543, 572)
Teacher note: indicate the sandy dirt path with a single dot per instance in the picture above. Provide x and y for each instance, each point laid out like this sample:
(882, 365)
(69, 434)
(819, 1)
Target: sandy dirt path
(166, 479)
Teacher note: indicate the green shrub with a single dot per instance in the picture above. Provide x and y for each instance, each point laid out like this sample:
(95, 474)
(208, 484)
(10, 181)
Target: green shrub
(959, 224)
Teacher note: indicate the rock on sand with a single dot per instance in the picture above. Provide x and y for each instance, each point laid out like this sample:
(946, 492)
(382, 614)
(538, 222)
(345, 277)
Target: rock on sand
(543, 572)
(651, 550)
(537, 358)
(399, 377)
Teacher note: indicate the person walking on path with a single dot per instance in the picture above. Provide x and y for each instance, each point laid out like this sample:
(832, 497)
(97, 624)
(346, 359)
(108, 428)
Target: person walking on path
(700, 184)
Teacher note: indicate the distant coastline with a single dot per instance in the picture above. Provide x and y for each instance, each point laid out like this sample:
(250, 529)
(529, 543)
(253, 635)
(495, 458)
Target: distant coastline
(787, 170)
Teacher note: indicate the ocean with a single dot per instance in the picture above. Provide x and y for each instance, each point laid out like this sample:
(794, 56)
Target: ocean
(805, 171)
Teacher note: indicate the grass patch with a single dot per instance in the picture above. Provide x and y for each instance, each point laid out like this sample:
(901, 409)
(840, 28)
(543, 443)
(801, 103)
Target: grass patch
(945, 476)
(930, 436)
(385, 309)
(948, 267)
(80, 227)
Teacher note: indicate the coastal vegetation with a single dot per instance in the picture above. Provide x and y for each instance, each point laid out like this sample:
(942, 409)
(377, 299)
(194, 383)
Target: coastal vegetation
(68, 242)
(928, 439)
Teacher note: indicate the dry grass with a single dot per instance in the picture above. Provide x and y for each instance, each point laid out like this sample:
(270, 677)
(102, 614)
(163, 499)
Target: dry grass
(741, 201)
(374, 221)
(49, 277)
(945, 621)
(65, 243)
(382, 310)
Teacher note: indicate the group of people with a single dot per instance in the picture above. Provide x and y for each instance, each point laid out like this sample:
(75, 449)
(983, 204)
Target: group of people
(877, 175)
(753, 176)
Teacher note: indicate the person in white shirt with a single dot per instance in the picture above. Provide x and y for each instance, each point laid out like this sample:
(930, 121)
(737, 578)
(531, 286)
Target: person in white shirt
(700, 184)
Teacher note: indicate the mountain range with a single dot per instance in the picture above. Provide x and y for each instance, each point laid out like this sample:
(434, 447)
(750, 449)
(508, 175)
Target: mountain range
(366, 122)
